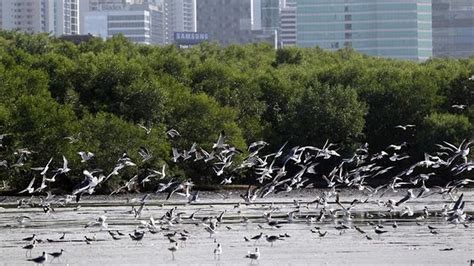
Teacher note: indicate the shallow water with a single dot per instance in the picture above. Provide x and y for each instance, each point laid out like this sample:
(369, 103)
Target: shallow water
(410, 243)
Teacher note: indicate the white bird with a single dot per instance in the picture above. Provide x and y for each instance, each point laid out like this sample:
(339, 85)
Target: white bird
(459, 106)
(85, 156)
(147, 129)
(172, 133)
(29, 188)
(220, 141)
(218, 251)
(162, 173)
(176, 155)
(253, 255)
(65, 169)
(43, 169)
(100, 221)
(405, 127)
(74, 138)
(145, 154)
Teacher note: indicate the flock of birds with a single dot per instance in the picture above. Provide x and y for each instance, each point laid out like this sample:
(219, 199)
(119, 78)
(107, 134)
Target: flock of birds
(282, 171)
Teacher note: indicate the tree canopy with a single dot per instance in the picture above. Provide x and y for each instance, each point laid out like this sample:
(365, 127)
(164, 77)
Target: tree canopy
(101, 91)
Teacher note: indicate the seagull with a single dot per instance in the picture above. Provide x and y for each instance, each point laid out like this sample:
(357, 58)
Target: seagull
(459, 106)
(43, 169)
(253, 255)
(405, 127)
(147, 129)
(41, 259)
(145, 154)
(162, 173)
(193, 197)
(23, 219)
(218, 251)
(100, 221)
(220, 141)
(172, 133)
(74, 138)
(176, 155)
(29, 188)
(397, 147)
(85, 156)
(64, 169)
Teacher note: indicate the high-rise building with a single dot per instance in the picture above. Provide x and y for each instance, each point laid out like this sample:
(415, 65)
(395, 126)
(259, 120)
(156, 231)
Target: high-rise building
(102, 5)
(59, 17)
(66, 13)
(453, 28)
(157, 17)
(288, 24)
(179, 16)
(270, 15)
(228, 21)
(388, 28)
(24, 15)
(134, 25)
(140, 23)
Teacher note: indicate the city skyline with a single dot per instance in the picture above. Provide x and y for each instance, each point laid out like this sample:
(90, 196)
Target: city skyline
(403, 29)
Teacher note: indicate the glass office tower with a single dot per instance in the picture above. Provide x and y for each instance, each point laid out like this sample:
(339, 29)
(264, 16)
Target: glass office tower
(398, 29)
(453, 28)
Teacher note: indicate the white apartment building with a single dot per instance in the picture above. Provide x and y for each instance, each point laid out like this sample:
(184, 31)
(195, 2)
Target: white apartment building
(288, 24)
(179, 16)
(58, 17)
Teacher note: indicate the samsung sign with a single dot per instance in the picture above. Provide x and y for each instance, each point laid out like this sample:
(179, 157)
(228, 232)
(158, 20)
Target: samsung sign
(188, 38)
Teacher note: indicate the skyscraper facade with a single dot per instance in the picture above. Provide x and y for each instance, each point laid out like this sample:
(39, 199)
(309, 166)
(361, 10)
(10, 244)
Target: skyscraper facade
(66, 13)
(25, 15)
(179, 16)
(287, 34)
(453, 28)
(227, 21)
(58, 17)
(138, 20)
(270, 15)
(399, 29)
(135, 25)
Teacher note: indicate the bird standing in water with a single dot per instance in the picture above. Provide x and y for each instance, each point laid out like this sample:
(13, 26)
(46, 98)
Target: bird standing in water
(218, 252)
